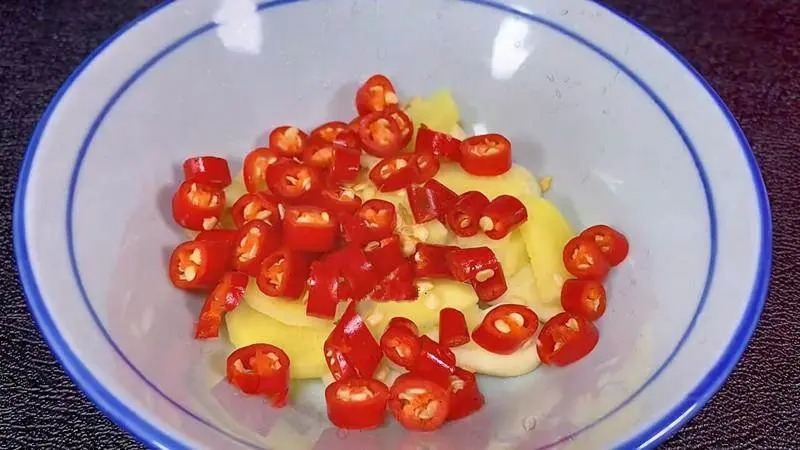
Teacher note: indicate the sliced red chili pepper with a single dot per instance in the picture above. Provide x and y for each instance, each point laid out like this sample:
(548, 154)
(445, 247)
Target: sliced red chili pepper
(491, 288)
(465, 397)
(375, 220)
(357, 403)
(585, 298)
(348, 138)
(256, 206)
(288, 141)
(404, 323)
(359, 273)
(224, 237)
(400, 342)
(430, 261)
(385, 254)
(345, 165)
(339, 200)
(309, 229)
(425, 165)
(479, 267)
(430, 201)
(198, 265)
(260, 369)
(255, 242)
(351, 342)
(566, 338)
(486, 155)
(612, 243)
(318, 153)
(584, 259)
(398, 285)
(256, 165)
(404, 124)
(294, 182)
(506, 328)
(465, 214)
(210, 170)
(198, 206)
(502, 216)
(417, 403)
(329, 131)
(440, 144)
(284, 273)
(466, 263)
(224, 298)
(436, 362)
(380, 135)
(375, 95)
(453, 331)
(355, 124)
(324, 285)
(393, 173)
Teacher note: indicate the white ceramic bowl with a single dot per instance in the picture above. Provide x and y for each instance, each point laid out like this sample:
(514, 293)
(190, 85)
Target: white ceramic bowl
(633, 136)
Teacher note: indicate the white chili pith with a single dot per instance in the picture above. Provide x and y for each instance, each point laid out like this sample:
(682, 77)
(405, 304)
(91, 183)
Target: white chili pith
(484, 275)
(189, 273)
(502, 326)
(486, 223)
(209, 223)
(251, 253)
(347, 395)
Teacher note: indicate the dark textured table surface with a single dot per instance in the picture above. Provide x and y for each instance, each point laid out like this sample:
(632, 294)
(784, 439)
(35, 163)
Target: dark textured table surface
(747, 49)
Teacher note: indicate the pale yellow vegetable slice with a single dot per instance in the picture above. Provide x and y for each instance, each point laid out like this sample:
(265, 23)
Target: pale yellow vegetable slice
(522, 290)
(438, 111)
(425, 310)
(288, 311)
(474, 358)
(303, 345)
(546, 232)
(517, 181)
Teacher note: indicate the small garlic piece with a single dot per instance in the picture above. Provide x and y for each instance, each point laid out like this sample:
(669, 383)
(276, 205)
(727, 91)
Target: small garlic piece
(420, 232)
(409, 245)
(424, 285)
(545, 183)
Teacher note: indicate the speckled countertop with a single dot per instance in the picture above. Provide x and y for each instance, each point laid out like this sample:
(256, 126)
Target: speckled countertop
(747, 49)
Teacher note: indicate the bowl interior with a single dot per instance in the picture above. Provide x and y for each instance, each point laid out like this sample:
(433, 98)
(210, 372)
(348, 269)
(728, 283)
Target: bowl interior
(572, 110)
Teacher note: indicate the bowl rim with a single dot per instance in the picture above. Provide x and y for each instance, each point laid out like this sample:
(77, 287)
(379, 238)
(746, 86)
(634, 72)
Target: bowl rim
(152, 435)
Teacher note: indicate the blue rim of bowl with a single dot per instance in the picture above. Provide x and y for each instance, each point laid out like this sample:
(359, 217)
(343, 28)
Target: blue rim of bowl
(651, 436)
